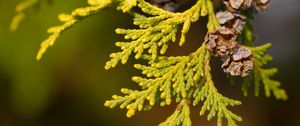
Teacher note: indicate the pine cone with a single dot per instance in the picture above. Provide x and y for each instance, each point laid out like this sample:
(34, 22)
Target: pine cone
(233, 21)
(220, 42)
(236, 58)
(239, 63)
(235, 5)
(262, 5)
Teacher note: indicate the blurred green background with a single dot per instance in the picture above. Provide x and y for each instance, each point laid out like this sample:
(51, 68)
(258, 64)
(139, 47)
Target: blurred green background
(69, 85)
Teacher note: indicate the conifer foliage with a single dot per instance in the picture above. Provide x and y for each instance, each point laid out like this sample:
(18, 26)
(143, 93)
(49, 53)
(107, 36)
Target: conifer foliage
(182, 80)
(21, 9)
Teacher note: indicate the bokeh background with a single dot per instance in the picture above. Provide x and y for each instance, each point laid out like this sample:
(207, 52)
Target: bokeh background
(69, 86)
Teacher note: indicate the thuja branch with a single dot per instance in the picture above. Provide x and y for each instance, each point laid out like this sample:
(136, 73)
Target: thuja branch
(180, 116)
(263, 76)
(214, 102)
(177, 77)
(183, 80)
(70, 20)
(168, 77)
(156, 31)
(21, 10)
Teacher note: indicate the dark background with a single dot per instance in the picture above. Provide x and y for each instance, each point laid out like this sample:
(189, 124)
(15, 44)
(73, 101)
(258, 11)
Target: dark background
(69, 86)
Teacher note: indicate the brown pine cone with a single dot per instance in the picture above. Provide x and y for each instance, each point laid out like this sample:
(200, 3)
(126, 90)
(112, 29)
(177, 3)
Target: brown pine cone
(239, 63)
(233, 21)
(262, 5)
(236, 58)
(220, 42)
(235, 5)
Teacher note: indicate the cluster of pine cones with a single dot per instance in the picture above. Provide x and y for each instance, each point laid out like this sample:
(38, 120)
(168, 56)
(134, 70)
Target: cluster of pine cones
(222, 42)
(236, 5)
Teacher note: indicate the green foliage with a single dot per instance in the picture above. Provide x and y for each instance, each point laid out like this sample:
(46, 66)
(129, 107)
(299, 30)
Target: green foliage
(180, 116)
(21, 10)
(263, 76)
(214, 102)
(168, 79)
(260, 75)
(157, 30)
(169, 76)
(247, 37)
(70, 20)
(182, 77)
(126, 5)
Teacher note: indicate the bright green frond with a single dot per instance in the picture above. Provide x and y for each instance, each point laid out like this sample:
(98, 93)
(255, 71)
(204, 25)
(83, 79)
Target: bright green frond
(183, 80)
(215, 103)
(156, 31)
(126, 5)
(263, 76)
(70, 20)
(180, 116)
(166, 78)
(213, 22)
(21, 9)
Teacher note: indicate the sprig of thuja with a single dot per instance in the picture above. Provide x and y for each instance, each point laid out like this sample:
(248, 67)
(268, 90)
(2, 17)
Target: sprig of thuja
(155, 31)
(21, 10)
(182, 80)
(262, 76)
(70, 20)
